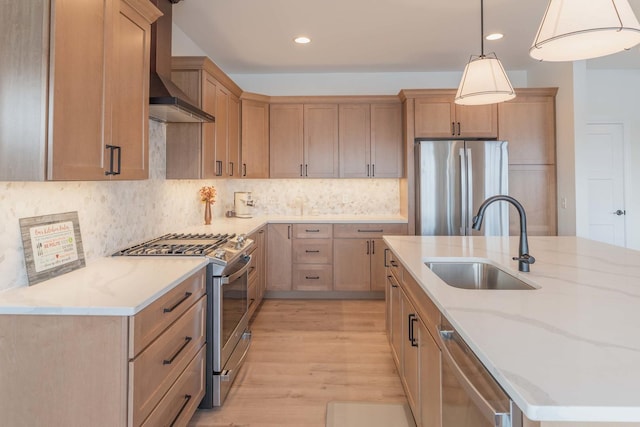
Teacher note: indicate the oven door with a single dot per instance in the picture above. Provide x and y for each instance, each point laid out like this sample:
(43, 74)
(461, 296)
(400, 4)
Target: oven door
(470, 395)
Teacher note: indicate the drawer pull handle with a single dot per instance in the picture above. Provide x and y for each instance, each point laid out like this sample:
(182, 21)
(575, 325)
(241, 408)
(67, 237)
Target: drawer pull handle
(313, 231)
(186, 296)
(370, 231)
(312, 277)
(187, 398)
(312, 252)
(187, 340)
(393, 264)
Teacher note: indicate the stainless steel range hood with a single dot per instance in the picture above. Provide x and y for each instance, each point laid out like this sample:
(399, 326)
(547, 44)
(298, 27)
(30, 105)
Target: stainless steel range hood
(167, 103)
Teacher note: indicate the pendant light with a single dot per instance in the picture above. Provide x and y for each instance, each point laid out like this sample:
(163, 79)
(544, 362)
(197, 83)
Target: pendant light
(577, 29)
(484, 80)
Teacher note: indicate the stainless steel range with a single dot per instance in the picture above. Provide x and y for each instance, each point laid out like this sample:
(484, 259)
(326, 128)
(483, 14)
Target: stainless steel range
(228, 337)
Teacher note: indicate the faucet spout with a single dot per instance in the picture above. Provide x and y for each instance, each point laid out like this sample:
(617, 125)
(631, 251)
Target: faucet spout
(523, 258)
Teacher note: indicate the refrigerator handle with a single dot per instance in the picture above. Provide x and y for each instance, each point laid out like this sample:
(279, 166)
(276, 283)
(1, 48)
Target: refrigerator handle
(469, 192)
(463, 191)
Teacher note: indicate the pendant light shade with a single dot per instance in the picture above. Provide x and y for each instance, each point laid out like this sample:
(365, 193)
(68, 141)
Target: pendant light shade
(484, 81)
(577, 29)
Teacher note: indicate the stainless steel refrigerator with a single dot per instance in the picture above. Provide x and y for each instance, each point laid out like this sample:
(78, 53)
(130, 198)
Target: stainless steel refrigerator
(453, 179)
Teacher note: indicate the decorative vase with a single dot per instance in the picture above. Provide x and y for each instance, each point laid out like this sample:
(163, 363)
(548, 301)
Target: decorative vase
(207, 213)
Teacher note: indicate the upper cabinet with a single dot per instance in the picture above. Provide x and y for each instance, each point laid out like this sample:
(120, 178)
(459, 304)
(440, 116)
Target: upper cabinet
(205, 150)
(528, 123)
(76, 77)
(437, 116)
(303, 141)
(370, 137)
(255, 136)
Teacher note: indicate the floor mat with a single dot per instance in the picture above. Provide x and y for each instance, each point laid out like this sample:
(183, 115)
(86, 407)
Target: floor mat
(368, 414)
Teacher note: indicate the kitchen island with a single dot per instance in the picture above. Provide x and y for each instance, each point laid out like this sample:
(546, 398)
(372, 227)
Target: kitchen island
(568, 352)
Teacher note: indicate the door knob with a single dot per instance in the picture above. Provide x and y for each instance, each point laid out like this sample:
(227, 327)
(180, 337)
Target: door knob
(620, 212)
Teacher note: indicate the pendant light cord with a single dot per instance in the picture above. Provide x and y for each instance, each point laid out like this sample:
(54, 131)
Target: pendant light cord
(481, 28)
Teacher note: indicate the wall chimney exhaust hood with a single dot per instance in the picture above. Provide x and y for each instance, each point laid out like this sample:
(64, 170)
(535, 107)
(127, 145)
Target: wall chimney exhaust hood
(167, 103)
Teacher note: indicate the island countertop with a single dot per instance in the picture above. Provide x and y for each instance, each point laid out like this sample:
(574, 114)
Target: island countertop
(567, 351)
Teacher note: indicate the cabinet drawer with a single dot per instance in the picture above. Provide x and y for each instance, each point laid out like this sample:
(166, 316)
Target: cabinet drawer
(313, 251)
(145, 326)
(177, 406)
(312, 231)
(394, 266)
(368, 230)
(312, 277)
(157, 367)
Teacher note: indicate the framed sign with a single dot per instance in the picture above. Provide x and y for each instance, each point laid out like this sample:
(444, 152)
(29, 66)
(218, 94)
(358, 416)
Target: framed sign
(52, 245)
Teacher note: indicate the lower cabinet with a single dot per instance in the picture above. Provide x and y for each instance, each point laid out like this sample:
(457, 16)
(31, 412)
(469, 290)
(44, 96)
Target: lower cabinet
(146, 369)
(257, 271)
(414, 349)
(279, 252)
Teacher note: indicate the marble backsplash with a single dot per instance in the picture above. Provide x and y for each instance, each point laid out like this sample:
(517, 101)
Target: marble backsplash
(114, 215)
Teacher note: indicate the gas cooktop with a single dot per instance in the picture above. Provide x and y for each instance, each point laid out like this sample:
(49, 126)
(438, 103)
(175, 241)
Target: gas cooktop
(222, 249)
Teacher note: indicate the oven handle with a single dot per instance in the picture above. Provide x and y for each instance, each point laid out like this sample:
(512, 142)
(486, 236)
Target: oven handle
(230, 279)
(486, 408)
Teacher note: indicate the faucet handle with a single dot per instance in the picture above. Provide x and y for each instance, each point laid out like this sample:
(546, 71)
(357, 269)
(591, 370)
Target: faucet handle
(526, 258)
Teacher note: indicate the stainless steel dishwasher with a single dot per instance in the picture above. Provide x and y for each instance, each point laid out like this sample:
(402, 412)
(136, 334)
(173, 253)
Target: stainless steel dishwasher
(470, 395)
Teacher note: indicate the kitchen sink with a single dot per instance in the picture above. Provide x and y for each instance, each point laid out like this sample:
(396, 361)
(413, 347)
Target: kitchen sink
(465, 274)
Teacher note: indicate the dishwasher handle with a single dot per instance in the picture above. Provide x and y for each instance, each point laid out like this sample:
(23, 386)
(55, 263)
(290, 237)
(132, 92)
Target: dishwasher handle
(499, 418)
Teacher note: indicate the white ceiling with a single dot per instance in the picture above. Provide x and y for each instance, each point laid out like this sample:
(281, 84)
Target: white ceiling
(256, 36)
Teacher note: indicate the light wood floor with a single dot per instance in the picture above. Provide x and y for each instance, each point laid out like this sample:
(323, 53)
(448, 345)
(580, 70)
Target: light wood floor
(303, 355)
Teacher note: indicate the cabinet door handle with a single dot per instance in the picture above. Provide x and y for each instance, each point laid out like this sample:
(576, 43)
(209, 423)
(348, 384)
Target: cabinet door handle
(231, 168)
(119, 150)
(289, 232)
(187, 398)
(453, 128)
(390, 278)
(110, 171)
(368, 247)
(386, 251)
(112, 149)
(373, 170)
(300, 169)
(169, 310)
(458, 128)
(312, 277)
(412, 319)
(306, 170)
(187, 340)
(370, 231)
(244, 169)
(373, 247)
(367, 169)
(218, 167)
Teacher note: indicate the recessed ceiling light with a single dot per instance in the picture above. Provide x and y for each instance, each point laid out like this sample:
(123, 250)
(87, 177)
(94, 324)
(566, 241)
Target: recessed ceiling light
(302, 40)
(494, 36)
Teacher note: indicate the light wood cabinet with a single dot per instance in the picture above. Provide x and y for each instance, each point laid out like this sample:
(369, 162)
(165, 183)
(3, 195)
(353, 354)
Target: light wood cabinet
(107, 370)
(257, 273)
(359, 255)
(80, 99)
(437, 116)
(312, 257)
(254, 137)
(204, 150)
(304, 141)
(370, 140)
(528, 124)
(279, 257)
(286, 138)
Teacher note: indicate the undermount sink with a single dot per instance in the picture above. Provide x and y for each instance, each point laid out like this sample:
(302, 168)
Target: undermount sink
(465, 274)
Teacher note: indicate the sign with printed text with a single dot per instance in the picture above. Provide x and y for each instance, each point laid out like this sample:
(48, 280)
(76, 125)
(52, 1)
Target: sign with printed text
(52, 245)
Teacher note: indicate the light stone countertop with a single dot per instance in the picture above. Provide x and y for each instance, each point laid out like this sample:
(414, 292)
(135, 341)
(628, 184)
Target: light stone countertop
(568, 351)
(122, 286)
(117, 286)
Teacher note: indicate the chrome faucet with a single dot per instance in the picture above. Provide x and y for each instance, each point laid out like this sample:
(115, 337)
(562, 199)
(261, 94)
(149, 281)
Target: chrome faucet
(523, 258)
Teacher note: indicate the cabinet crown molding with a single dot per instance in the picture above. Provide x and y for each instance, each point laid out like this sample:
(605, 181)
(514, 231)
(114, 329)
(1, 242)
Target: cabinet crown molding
(186, 63)
(405, 94)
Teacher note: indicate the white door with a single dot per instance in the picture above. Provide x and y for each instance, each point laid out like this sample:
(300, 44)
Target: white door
(604, 158)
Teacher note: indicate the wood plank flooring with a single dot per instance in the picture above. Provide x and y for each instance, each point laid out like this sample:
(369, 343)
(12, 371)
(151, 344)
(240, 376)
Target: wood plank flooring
(304, 354)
